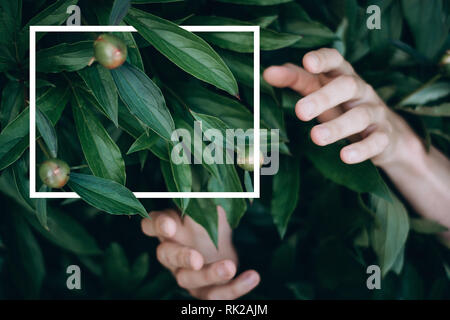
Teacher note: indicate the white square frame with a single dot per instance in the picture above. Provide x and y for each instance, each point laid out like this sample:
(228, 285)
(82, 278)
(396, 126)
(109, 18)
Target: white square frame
(256, 106)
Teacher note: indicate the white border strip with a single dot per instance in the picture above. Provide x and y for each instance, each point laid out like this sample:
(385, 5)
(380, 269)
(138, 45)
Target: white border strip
(256, 107)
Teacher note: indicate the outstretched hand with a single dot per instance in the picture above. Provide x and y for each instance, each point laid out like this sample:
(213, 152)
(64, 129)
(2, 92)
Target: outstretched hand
(187, 251)
(346, 106)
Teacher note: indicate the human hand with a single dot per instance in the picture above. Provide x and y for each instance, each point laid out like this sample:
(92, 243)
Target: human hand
(187, 251)
(347, 107)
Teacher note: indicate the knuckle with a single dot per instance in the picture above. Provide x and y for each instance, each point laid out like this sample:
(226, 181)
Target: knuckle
(322, 99)
(349, 83)
(363, 116)
(380, 111)
(160, 253)
(210, 295)
(337, 55)
(383, 139)
(183, 256)
(181, 279)
(234, 293)
(336, 130)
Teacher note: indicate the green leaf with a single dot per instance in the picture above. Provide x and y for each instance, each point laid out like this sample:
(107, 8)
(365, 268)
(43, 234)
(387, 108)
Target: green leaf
(242, 68)
(230, 111)
(139, 270)
(135, 128)
(169, 179)
(22, 181)
(390, 230)
(399, 262)
(144, 142)
(47, 132)
(442, 110)
(196, 149)
(248, 183)
(427, 93)
(144, 99)
(426, 226)
(295, 20)
(41, 207)
(228, 181)
(272, 115)
(14, 139)
(64, 57)
(10, 22)
(242, 41)
(391, 30)
(66, 232)
(118, 11)
(186, 50)
(101, 83)
(26, 262)
(106, 195)
(102, 154)
(256, 2)
(53, 15)
(116, 270)
(12, 101)
(204, 212)
(264, 21)
(362, 177)
(285, 193)
(429, 24)
(53, 102)
(210, 123)
(182, 175)
(134, 55)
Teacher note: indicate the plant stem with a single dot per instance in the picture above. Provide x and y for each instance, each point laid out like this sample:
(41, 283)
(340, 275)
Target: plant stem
(44, 148)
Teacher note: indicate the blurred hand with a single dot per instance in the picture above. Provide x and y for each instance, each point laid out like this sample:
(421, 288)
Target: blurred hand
(188, 252)
(346, 106)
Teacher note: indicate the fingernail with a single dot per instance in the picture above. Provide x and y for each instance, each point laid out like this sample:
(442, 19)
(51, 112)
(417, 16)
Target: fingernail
(222, 271)
(188, 258)
(166, 227)
(313, 61)
(352, 155)
(250, 279)
(307, 108)
(324, 133)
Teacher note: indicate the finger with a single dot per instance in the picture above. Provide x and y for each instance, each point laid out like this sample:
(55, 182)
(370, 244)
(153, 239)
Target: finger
(161, 224)
(351, 122)
(368, 148)
(173, 256)
(240, 286)
(215, 273)
(291, 76)
(340, 90)
(327, 60)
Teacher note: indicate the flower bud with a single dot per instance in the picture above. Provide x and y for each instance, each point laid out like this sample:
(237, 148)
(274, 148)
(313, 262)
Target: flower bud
(54, 173)
(110, 51)
(445, 63)
(245, 160)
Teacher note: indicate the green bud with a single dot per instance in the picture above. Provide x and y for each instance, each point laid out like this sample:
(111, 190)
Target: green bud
(54, 173)
(110, 51)
(245, 159)
(445, 63)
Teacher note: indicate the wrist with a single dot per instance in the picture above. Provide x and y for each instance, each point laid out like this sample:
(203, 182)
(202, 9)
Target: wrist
(407, 151)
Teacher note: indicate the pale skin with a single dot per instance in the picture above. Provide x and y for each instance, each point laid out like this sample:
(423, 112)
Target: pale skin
(346, 107)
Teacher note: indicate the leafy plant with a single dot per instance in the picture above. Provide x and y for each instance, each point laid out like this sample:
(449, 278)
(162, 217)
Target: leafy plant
(319, 221)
